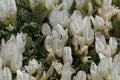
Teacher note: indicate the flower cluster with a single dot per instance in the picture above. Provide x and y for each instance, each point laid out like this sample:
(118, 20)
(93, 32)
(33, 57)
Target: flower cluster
(73, 20)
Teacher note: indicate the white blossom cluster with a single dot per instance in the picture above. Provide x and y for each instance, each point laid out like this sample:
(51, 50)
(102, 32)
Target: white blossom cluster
(85, 31)
(8, 11)
(80, 28)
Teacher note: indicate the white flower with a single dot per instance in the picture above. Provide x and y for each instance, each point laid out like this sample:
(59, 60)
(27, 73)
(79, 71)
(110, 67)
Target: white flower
(105, 67)
(7, 50)
(21, 41)
(94, 72)
(11, 52)
(50, 4)
(48, 43)
(32, 66)
(100, 43)
(22, 75)
(79, 28)
(82, 32)
(58, 16)
(116, 61)
(107, 10)
(54, 42)
(76, 23)
(81, 75)
(46, 29)
(113, 45)
(114, 76)
(89, 36)
(67, 55)
(66, 72)
(16, 62)
(67, 4)
(59, 33)
(102, 47)
(58, 47)
(88, 32)
(76, 16)
(8, 11)
(7, 74)
(100, 24)
(101, 56)
(76, 28)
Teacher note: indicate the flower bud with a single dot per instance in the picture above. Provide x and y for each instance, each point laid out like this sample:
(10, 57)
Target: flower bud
(90, 8)
(100, 42)
(48, 43)
(67, 55)
(46, 29)
(113, 45)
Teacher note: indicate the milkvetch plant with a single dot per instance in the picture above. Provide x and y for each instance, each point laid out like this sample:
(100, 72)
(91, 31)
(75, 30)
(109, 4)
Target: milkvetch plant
(59, 40)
